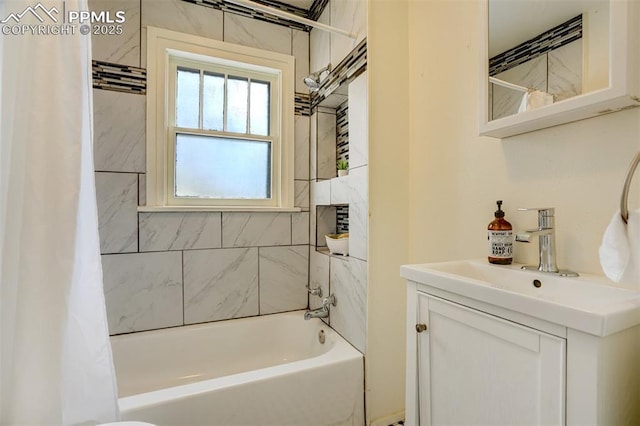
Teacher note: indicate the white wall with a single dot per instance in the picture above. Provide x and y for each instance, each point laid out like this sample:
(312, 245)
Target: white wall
(443, 203)
(456, 176)
(388, 74)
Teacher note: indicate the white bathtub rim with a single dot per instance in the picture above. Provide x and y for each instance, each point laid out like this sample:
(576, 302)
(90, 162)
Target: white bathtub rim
(340, 352)
(179, 392)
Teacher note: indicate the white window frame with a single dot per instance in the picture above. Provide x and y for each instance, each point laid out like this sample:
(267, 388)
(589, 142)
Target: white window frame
(164, 49)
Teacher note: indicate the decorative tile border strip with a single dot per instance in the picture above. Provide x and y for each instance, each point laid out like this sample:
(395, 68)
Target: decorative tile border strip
(316, 9)
(302, 104)
(556, 37)
(119, 78)
(250, 13)
(342, 131)
(349, 68)
(342, 219)
(125, 78)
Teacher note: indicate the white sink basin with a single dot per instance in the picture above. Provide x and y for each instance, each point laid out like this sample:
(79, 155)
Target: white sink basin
(587, 303)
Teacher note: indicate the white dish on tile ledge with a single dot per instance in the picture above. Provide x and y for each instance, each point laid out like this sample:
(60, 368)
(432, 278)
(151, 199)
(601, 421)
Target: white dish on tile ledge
(338, 243)
(587, 303)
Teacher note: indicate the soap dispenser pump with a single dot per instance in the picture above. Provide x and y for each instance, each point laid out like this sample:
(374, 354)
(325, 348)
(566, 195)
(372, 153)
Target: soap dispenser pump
(500, 238)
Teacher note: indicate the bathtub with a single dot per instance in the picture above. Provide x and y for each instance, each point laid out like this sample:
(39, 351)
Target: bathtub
(267, 370)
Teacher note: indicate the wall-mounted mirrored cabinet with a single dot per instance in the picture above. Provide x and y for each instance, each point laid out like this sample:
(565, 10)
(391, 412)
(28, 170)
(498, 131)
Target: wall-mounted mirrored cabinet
(550, 62)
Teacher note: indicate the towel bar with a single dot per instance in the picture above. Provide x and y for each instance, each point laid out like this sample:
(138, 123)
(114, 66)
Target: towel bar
(624, 211)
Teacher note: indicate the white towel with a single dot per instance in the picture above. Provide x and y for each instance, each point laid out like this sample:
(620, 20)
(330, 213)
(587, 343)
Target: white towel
(534, 99)
(620, 250)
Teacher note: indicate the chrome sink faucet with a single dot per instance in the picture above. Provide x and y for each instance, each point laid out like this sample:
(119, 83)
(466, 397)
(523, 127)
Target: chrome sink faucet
(546, 241)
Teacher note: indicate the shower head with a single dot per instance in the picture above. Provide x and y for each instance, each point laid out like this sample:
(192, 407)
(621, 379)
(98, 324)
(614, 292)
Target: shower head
(313, 80)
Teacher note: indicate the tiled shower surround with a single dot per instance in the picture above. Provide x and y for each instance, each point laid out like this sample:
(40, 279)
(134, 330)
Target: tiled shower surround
(550, 62)
(172, 269)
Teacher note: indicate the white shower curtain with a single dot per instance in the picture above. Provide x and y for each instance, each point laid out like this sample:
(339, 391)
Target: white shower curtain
(55, 358)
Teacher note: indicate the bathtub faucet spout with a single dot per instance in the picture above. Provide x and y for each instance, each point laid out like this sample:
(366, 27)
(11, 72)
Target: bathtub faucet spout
(324, 311)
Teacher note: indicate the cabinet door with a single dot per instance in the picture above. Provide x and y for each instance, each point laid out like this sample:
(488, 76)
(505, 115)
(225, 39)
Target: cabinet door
(478, 369)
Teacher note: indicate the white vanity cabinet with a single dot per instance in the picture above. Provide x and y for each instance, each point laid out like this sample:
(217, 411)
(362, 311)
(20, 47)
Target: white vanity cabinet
(476, 368)
(480, 355)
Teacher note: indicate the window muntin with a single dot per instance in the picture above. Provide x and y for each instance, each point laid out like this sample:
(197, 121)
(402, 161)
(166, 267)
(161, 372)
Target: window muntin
(165, 46)
(221, 142)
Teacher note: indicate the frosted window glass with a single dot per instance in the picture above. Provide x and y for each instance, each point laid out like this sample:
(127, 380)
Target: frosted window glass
(237, 104)
(259, 114)
(213, 102)
(215, 167)
(188, 98)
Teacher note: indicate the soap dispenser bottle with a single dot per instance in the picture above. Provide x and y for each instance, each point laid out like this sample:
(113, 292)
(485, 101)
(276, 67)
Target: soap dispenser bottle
(500, 239)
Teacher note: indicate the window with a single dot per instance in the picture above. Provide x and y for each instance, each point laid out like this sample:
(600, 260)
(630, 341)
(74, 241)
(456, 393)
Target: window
(219, 124)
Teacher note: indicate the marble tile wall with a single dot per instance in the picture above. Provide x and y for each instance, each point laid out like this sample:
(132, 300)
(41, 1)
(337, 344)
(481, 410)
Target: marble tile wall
(171, 269)
(123, 49)
(345, 277)
(350, 15)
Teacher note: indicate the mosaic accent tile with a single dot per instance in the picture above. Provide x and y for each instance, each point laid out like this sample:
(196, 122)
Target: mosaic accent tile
(342, 132)
(342, 219)
(120, 78)
(302, 104)
(354, 64)
(556, 37)
(317, 8)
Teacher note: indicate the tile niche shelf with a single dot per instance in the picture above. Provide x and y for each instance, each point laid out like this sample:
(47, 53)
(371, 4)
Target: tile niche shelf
(331, 200)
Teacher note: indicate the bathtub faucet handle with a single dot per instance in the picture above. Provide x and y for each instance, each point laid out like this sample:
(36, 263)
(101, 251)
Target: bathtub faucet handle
(331, 300)
(324, 311)
(317, 291)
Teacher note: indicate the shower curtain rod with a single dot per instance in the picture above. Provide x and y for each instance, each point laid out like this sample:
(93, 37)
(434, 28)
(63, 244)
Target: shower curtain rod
(507, 84)
(290, 16)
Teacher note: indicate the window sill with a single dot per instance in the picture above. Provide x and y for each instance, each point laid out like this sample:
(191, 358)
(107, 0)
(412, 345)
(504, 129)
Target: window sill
(181, 209)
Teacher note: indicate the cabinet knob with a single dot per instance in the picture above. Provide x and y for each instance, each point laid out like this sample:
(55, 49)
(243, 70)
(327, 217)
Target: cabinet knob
(421, 327)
